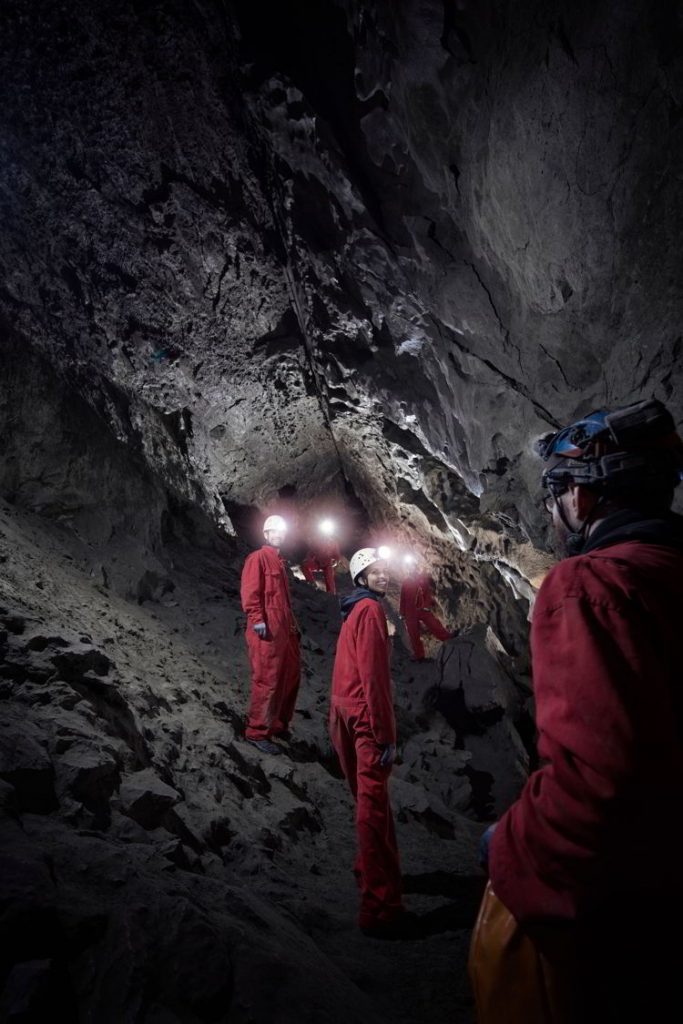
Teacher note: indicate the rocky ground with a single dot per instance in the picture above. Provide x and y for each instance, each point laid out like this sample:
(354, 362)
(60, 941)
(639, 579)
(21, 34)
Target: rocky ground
(157, 868)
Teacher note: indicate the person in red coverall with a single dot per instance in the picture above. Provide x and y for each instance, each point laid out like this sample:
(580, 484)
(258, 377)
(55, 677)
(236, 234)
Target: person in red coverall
(588, 863)
(323, 557)
(272, 640)
(415, 606)
(363, 732)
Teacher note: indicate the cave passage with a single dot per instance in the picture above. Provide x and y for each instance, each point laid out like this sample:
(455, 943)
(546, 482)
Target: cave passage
(343, 263)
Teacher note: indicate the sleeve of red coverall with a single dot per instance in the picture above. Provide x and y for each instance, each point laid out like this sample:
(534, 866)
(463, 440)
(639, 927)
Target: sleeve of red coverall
(252, 590)
(590, 657)
(372, 651)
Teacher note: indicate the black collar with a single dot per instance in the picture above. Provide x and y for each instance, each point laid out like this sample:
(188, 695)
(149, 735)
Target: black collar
(629, 524)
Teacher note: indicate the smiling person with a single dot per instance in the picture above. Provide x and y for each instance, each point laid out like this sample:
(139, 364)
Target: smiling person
(581, 919)
(363, 732)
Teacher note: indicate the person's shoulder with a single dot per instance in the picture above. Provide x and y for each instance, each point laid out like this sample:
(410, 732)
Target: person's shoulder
(368, 608)
(254, 556)
(595, 577)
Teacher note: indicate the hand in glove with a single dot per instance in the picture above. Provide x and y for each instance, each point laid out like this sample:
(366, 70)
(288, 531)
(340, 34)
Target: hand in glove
(260, 629)
(484, 843)
(388, 754)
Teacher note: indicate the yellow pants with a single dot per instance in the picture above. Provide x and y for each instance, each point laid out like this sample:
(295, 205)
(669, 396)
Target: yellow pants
(517, 979)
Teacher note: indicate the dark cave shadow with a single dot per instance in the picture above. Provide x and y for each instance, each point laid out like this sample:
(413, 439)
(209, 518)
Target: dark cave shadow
(451, 917)
(465, 891)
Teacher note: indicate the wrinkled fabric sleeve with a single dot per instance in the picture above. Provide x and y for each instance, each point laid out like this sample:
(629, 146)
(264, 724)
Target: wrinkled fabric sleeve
(590, 662)
(252, 590)
(372, 651)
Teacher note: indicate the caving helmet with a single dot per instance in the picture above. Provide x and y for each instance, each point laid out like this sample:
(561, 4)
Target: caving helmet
(362, 559)
(275, 523)
(627, 451)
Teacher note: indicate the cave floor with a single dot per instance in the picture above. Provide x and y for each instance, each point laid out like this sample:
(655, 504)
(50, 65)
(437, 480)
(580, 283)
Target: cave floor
(285, 835)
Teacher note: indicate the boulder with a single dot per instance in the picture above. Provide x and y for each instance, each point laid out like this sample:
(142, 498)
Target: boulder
(89, 774)
(481, 703)
(26, 765)
(145, 798)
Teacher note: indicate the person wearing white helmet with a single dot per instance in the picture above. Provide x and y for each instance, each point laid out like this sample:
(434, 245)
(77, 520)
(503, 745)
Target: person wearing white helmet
(363, 732)
(272, 640)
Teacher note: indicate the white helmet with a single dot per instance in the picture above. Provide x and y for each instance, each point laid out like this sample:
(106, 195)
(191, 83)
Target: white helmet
(361, 560)
(275, 523)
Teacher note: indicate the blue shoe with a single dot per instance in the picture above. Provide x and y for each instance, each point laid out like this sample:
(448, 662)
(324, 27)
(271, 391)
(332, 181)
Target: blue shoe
(265, 746)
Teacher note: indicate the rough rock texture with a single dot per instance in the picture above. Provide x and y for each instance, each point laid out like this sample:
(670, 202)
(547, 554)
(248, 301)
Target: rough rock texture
(278, 248)
(155, 867)
(285, 257)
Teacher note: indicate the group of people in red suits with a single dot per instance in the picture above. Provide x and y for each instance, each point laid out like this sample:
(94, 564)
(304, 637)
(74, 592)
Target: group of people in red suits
(362, 721)
(584, 867)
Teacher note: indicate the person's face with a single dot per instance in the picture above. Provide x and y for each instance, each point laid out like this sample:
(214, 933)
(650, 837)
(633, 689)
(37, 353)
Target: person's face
(569, 510)
(377, 576)
(275, 537)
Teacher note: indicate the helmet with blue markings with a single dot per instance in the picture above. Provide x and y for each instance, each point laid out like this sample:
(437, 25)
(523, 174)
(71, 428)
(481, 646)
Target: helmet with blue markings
(621, 451)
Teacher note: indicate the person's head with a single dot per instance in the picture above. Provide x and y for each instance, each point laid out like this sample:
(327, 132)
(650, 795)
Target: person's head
(369, 570)
(411, 565)
(274, 531)
(629, 458)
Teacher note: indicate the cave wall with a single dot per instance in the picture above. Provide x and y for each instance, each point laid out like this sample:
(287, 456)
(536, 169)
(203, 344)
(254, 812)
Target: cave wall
(293, 249)
(63, 462)
(139, 254)
(498, 248)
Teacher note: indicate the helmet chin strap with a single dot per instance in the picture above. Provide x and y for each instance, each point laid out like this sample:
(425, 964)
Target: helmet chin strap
(576, 539)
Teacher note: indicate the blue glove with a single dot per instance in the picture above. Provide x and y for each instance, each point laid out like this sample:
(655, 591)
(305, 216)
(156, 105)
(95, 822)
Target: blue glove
(260, 629)
(388, 754)
(484, 844)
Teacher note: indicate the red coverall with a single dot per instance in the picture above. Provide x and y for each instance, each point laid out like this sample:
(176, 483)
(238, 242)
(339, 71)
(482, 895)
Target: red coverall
(595, 838)
(361, 721)
(275, 662)
(414, 608)
(323, 559)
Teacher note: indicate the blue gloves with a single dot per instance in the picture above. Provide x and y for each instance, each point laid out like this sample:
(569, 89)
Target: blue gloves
(260, 629)
(388, 754)
(484, 843)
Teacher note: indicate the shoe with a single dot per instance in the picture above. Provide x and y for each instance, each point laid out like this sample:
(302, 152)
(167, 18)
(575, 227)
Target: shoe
(265, 746)
(403, 926)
